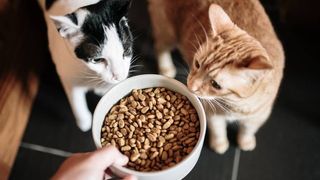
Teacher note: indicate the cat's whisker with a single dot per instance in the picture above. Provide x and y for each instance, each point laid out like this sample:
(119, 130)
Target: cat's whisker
(221, 100)
(205, 32)
(207, 101)
(198, 41)
(92, 81)
(212, 101)
(134, 59)
(133, 66)
(90, 76)
(100, 83)
(133, 71)
(135, 38)
(218, 105)
(126, 39)
(91, 84)
(88, 73)
(222, 106)
(195, 49)
(202, 101)
(228, 101)
(212, 106)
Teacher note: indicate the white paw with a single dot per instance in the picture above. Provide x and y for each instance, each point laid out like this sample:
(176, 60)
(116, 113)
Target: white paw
(166, 66)
(247, 142)
(84, 121)
(169, 72)
(219, 145)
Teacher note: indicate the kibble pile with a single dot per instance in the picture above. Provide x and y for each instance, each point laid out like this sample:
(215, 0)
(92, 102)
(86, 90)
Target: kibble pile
(155, 127)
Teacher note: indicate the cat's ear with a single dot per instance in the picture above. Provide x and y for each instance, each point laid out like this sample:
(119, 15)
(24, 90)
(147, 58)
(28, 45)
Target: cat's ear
(65, 25)
(219, 19)
(256, 63)
(251, 71)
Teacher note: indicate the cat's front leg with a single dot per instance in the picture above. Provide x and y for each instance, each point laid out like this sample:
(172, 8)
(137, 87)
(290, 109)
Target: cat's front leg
(165, 64)
(78, 102)
(164, 38)
(246, 136)
(80, 108)
(248, 128)
(217, 125)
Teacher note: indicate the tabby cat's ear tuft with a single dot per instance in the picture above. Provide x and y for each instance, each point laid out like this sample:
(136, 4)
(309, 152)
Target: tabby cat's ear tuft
(219, 19)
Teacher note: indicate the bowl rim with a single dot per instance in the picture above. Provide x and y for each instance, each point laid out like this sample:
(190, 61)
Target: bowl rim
(190, 95)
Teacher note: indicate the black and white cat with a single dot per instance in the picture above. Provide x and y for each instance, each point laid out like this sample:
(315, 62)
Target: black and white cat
(91, 46)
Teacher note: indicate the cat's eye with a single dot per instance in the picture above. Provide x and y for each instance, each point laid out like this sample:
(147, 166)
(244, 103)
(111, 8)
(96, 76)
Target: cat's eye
(216, 85)
(97, 60)
(197, 64)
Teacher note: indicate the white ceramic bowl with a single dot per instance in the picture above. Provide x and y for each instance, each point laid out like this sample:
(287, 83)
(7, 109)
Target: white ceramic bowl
(122, 89)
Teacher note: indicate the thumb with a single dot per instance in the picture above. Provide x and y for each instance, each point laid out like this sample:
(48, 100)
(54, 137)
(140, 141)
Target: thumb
(106, 156)
(130, 178)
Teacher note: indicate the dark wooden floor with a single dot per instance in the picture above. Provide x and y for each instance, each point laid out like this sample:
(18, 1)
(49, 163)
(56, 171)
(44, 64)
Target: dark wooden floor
(288, 145)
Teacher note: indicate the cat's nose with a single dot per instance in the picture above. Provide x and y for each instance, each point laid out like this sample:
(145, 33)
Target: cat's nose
(118, 76)
(193, 86)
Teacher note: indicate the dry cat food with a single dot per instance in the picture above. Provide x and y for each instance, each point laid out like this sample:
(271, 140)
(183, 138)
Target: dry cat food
(155, 127)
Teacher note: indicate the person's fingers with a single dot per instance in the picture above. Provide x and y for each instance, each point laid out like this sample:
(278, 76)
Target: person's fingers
(107, 176)
(104, 157)
(108, 171)
(130, 178)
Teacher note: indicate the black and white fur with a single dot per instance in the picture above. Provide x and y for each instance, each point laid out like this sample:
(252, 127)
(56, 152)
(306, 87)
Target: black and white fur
(91, 46)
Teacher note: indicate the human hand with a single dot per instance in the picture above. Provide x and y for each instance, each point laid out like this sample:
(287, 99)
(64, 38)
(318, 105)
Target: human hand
(91, 165)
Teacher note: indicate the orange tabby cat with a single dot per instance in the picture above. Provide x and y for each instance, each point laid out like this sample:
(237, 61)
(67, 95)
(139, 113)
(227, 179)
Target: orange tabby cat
(234, 56)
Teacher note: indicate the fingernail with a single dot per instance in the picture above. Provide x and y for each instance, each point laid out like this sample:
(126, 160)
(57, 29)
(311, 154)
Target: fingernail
(123, 160)
(131, 177)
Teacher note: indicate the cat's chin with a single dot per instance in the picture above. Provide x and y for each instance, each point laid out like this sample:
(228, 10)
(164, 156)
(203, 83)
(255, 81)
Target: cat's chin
(113, 82)
(203, 96)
